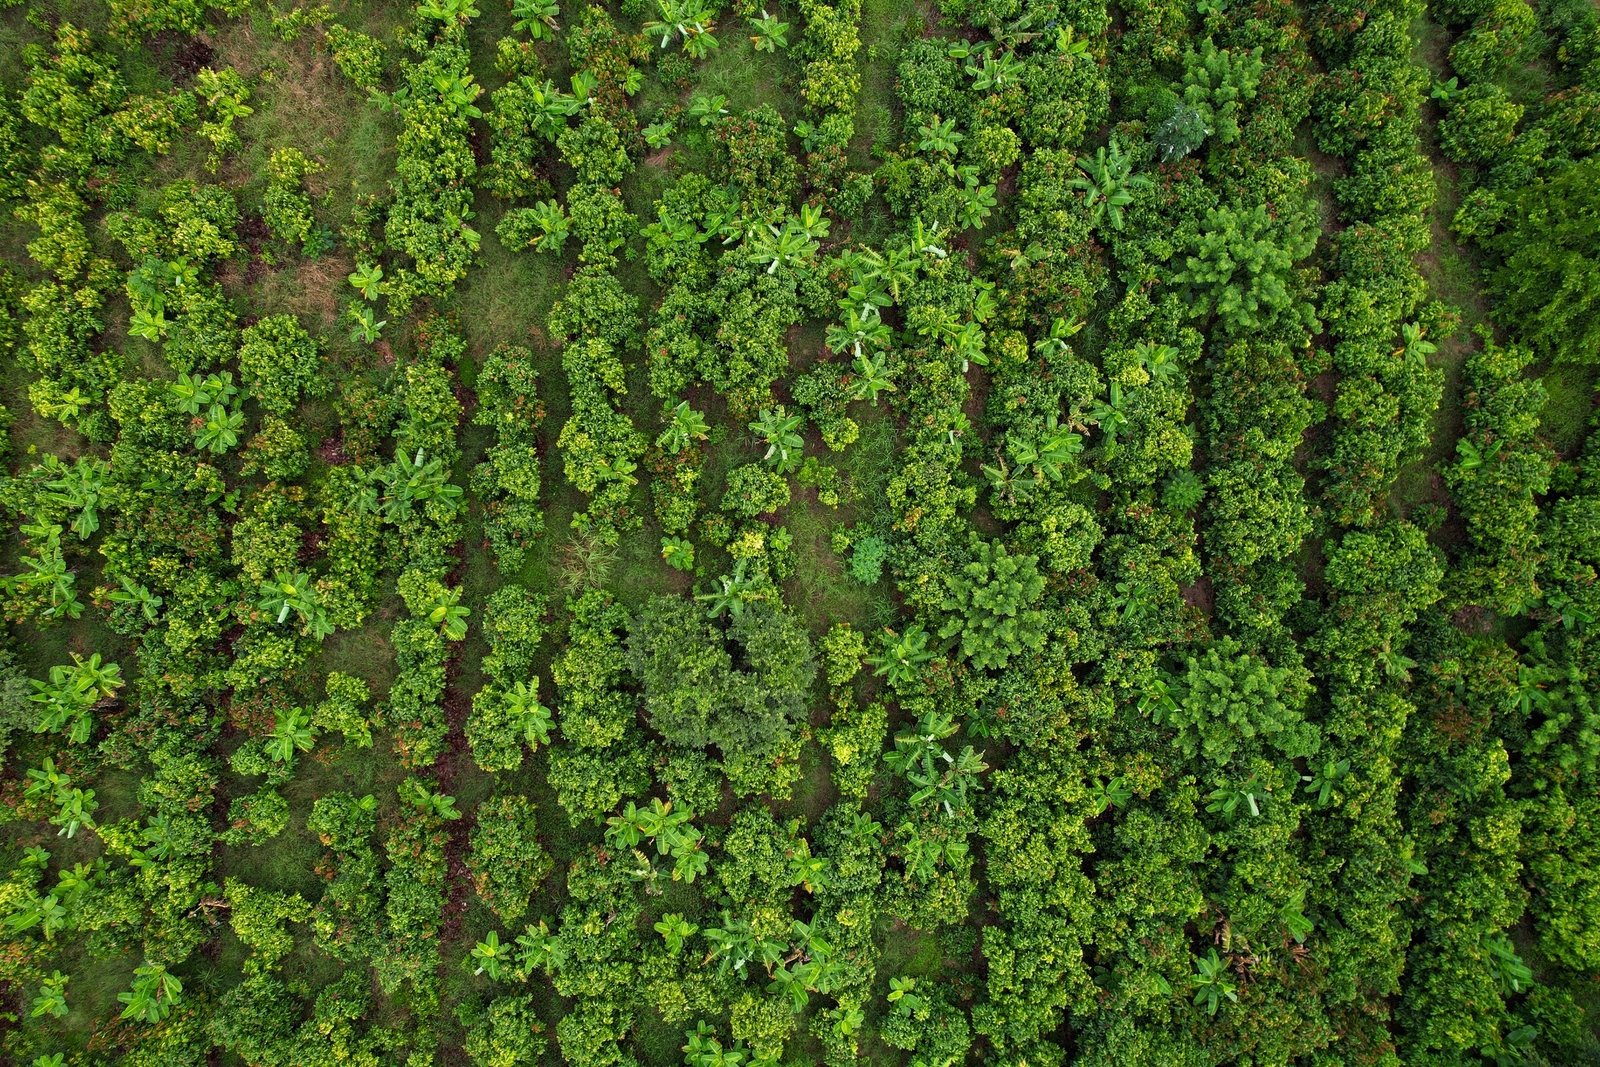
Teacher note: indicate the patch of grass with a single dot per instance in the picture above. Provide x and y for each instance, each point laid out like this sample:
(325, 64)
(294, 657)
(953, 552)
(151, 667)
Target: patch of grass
(881, 24)
(508, 296)
(1570, 407)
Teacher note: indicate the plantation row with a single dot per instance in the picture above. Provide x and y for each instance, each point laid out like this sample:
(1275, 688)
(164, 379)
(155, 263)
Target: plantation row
(723, 535)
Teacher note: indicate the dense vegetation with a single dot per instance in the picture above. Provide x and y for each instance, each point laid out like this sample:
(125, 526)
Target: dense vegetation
(696, 532)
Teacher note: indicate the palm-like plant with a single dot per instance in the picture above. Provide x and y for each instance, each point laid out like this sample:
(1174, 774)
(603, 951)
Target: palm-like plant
(155, 990)
(771, 33)
(48, 571)
(523, 707)
(1109, 184)
(895, 268)
(687, 19)
(419, 796)
(676, 930)
(492, 957)
(1213, 984)
(730, 593)
(684, 426)
(586, 561)
(901, 655)
(871, 378)
(367, 277)
(939, 137)
(539, 949)
(449, 614)
(291, 733)
(536, 18)
(677, 553)
(220, 429)
(781, 433)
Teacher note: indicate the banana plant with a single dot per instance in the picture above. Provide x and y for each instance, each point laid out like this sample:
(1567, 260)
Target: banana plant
(365, 326)
(690, 20)
(781, 433)
(939, 137)
(75, 810)
(536, 18)
(532, 718)
(419, 796)
(154, 992)
(77, 488)
(194, 393)
(367, 279)
(859, 331)
(871, 378)
(1213, 984)
(977, 202)
(552, 224)
(730, 593)
(675, 930)
(52, 998)
(449, 12)
(996, 72)
(677, 553)
(289, 593)
(291, 733)
(492, 957)
(771, 34)
(1109, 184)
(219, 430)
(149, 323)
(900, 656)
(449, 614)
(1471, 456)
(71, 692)
(685, 426)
